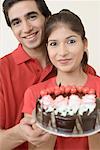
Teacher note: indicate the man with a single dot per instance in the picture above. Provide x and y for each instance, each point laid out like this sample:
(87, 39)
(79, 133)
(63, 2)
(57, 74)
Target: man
(25, 66)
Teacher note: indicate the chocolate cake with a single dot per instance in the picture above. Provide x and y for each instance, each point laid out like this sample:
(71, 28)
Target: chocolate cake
(67, 109)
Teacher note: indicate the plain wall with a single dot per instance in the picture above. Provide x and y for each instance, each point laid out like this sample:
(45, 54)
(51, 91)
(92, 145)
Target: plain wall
(88, 11)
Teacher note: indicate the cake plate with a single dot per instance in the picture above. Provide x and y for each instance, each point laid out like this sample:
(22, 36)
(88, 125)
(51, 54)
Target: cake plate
(77, 131)
(67, 134)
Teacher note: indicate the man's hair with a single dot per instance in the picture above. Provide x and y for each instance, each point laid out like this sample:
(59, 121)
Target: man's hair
(7, 4)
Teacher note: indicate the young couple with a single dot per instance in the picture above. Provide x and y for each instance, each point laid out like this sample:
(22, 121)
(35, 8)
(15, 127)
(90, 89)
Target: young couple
(29, 64)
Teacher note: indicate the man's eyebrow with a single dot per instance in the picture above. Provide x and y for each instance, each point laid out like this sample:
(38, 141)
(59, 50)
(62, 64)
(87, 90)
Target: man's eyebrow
(27, 14)
(15, 19)
(30, 13)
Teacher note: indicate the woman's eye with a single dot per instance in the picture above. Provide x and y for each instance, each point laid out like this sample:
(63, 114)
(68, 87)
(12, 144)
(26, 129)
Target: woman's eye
(71, 41)
(53, 44)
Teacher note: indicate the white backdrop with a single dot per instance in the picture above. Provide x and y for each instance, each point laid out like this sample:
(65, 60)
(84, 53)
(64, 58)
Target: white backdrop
(88, 10)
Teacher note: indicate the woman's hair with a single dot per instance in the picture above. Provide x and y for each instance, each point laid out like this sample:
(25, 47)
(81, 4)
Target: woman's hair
(70, 19)
(7, 4)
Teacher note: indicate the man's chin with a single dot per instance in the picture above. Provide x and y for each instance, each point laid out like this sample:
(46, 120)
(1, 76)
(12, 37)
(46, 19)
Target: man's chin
(31, 47)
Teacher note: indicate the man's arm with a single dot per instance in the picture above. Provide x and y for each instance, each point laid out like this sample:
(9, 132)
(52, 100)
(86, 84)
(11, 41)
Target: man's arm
(15, 136)
(11, 138)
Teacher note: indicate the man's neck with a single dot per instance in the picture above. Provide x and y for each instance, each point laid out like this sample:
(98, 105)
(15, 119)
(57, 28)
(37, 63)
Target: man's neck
(40, 54)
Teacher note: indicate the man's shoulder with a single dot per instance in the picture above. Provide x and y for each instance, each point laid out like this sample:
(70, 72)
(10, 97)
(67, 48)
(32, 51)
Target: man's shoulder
(7, 56)
(6, 61)
(7, 64)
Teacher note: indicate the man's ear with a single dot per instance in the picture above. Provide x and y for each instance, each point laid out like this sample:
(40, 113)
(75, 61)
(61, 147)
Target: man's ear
(46, 19)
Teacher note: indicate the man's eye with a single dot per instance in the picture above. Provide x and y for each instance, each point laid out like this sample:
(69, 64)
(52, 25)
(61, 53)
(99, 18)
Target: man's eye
(16, 23)
(32, 17)
(71, 41)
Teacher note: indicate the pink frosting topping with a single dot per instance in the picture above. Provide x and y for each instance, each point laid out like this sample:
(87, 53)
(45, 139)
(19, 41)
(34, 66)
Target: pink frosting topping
(74, 100)
(89, 98)
(46, 101)
(60, 100)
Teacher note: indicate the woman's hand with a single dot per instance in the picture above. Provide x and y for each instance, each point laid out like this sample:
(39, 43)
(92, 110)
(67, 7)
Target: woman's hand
(32, 133)
(94, 142)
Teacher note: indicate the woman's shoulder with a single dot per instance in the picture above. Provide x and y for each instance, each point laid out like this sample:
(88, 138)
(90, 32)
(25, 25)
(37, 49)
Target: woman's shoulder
(95, 78)
(94, 82)
(36, 88)
(90, 70)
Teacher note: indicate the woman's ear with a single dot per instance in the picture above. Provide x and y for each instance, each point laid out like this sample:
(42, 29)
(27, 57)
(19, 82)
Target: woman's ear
(46, 45)
(85, 44)
(86, 50)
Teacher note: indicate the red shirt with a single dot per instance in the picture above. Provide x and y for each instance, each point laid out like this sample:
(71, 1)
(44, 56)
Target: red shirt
(17, 72)
(33, 93)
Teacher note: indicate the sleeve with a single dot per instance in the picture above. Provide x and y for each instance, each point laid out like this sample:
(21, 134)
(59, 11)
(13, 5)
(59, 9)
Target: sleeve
(29, 102)
(2, 107)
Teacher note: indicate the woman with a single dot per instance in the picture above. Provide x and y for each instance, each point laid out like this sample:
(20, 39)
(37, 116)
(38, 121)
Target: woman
(67, 50)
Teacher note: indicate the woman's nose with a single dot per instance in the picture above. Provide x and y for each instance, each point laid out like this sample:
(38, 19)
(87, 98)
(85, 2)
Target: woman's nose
(63, 50)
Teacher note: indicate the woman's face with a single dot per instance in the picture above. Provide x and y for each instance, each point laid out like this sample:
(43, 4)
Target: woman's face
(65, 48)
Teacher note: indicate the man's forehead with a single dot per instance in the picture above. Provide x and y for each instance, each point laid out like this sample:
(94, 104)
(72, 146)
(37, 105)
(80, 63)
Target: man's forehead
(22, 8)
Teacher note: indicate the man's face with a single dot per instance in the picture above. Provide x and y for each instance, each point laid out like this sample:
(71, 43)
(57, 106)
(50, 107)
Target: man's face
(27, 24)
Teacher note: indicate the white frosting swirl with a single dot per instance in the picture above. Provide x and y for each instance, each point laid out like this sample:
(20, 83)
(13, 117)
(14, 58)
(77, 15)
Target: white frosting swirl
(69, 105)
(89, 98)
(88, 104)
(46, 101)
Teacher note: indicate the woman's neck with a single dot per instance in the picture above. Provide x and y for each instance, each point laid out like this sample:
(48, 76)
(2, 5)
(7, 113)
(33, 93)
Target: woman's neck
(77, 78)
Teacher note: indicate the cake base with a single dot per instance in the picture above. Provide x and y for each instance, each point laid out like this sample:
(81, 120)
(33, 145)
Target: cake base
(89, 121)
(65, 124)
(46, 117)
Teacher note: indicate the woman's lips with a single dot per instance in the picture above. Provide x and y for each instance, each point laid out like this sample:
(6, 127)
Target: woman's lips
(64, 61)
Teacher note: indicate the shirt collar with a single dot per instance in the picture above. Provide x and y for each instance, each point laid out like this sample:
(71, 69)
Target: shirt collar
(20, 56)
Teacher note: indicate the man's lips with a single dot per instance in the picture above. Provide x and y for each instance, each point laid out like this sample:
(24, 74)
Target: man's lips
(30, 36)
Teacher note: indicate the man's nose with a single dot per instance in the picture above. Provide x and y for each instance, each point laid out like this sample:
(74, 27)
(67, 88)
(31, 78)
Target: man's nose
(27, 27)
